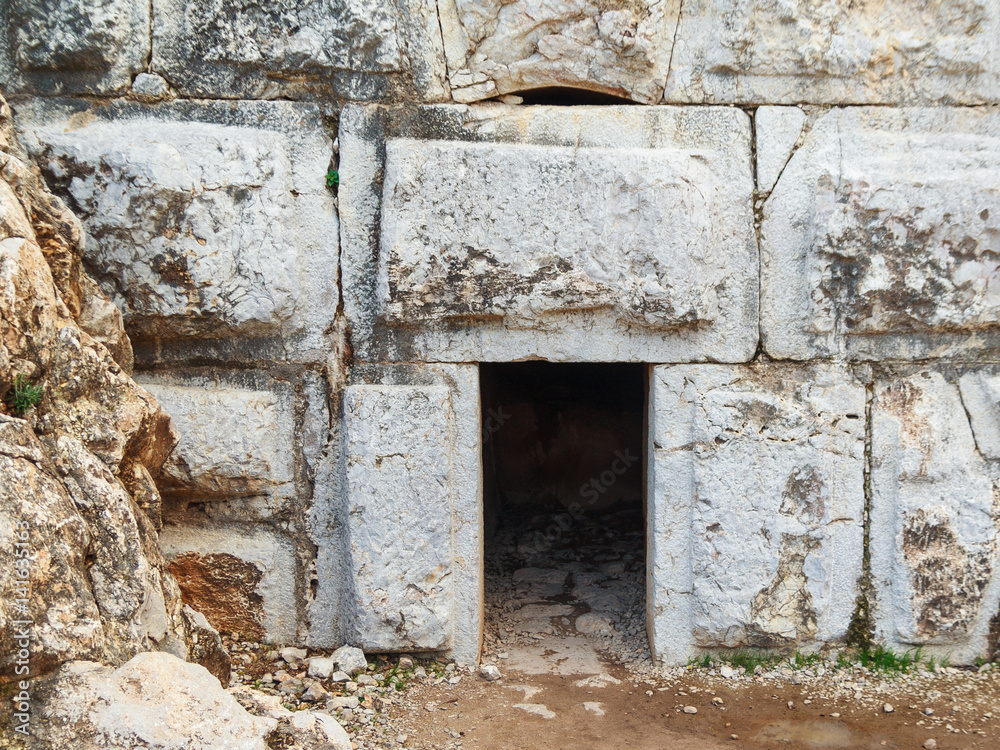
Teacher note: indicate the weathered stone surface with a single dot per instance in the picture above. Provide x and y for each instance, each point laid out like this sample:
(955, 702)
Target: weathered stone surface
(776, 130)
(72, 46)
(242, 580)
(233, 441)
(98, 585)
(496, 47)
(614, 234)
(876, 51)
(756, 497)
(154, 701)
(358, 49)
(880, 238)
(934, 517)
(205, 219)
(398, 464)
(350, 660)
(980, 391)
(379, 552)
(206, 647)
(309, 730)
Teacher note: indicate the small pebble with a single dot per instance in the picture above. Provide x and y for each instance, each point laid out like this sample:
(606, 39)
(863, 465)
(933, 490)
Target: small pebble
(888, 708)
(930, 744)
(690, 710)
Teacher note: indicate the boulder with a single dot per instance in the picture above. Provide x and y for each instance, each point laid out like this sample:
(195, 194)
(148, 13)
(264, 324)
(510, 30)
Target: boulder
(350, 660)
(153, 701)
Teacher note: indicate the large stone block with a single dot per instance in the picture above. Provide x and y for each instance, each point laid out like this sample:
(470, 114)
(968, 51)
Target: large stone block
(496, 233)
(875, 51)
(360, 49)
(236, 438)
(880, 238)
(204, 219)
(242, 579)
(412, 510)
(72, 46)
(935, 513)
(756, 506)
(497, 46)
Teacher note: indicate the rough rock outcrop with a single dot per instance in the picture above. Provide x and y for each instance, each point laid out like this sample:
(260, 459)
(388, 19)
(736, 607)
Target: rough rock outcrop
(79, 440)
(154, 701)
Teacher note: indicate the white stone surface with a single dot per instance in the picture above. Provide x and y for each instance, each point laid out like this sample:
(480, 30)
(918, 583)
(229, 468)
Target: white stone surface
(879, 51)
(350, 660)
(500, 46)
(271, 554)
(72, 46)
(204, 219)
(610, 234)
(399, 522)
(756, 504)
(933, 519)
(776, 131)
(413, 547)
(154, 701)
(880, 238)
(233, 441)
(980, 391)
(252, 50)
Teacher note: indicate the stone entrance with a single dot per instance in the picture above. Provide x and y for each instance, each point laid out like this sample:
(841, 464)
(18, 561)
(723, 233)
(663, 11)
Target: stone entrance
(563, 496)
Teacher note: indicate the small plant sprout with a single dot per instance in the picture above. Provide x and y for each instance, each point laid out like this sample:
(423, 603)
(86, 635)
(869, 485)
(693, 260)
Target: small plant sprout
(23, 396)
(332, 178)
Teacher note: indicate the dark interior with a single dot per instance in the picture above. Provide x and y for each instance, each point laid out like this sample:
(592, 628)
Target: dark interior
(565, 96)
(562, 438)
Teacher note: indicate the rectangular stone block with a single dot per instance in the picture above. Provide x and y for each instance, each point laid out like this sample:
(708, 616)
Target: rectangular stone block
(497, 47)
(934, 513)
(891, 52)
(879, 240)
(495, 233)
(755, 506)
(413, 513)
(236, 438)
(242, 579)
(358, 49)
(72, 46)
(205, 220)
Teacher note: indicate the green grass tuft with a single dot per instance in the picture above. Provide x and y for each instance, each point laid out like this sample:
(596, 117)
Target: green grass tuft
(23, 396)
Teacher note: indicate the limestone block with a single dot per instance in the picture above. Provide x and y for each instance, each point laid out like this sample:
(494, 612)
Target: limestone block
(234, 441)
(776, 131)
(756, 505)
(242, 579)
(72, 46)
(934, 517)
(880, 239)
(873, 52)
(496, 233)
(154, 701)
(498, 46)
(205, 219)
(412, 511)
(292, 49)
(398, 464)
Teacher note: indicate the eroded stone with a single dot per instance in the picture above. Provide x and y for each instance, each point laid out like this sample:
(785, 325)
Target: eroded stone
(612, 235)
(245, 49)
(876, 51)
(880, 238)
(72, 46)
(933, 518)
(496, 47)
(756, 499)
(242, 580)
(205, 220)
(234, 441)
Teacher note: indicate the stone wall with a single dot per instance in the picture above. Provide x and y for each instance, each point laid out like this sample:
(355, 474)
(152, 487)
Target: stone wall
(798, 231)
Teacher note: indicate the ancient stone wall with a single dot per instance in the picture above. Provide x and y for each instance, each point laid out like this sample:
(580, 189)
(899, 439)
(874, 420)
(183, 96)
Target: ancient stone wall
(791, 213)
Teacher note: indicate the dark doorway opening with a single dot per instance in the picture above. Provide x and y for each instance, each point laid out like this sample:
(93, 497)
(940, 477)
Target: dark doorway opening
(564, 478)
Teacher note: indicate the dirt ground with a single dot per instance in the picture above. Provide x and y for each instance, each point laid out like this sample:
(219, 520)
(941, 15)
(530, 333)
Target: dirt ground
(554, 711)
